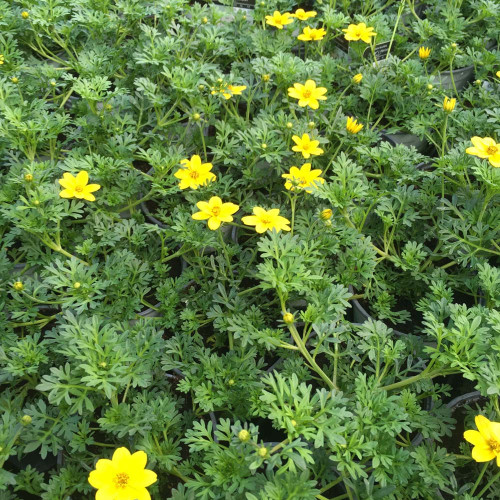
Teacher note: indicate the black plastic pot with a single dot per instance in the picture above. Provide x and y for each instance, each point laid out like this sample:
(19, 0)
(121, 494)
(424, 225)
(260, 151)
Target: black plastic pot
(462, 77)
(408, 140)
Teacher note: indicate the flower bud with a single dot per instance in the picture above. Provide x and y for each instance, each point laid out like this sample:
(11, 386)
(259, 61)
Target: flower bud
(294, 423)
(424, 52)
(288, 318)
(77, 285)
(28, 177)
(18, 286)
(478, 82)
(201, 87)
(454, 45)
(53, 83)
(26, 420)
(311, 125)
(326, 214)
(262, 452)
(266, 78)
(263, 145)
(103, 364)
(244, 18)
(357, 78)
(262, 4)
(497, 74)
(25, 14)
(243, 435)
(108, 107)
(36, 203)
(430, 86)
(204, 20)
(14, 79)
(449, 104)
(230, 382)
(289, 125)
(196, 117)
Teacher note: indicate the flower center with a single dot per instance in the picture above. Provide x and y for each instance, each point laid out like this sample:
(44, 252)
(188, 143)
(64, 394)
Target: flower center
(193, 174)
(121, 480)
(305, 146)
(492, 150)
(494, 445)
(306, 94)
(215, 211)
(78, 189)
(303, 181)
(265, 220)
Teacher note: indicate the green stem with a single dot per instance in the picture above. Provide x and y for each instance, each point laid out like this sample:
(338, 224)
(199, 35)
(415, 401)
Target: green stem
(478, 480)
(486, 488)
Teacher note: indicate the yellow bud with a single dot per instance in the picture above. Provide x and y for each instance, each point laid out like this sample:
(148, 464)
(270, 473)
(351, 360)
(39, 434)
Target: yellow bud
(326, 214)
(311, 125)
(289, 125)
(497, 74)
(478, 82)
(424, 52)
(26, 420)
(266, 78)
(231, 382)
(262, 452)
(36, 203)
(288, 318)
(454, 45)
(294, 423)
(77, 285)
(103, 364)
(201, 87)
(262, 4)
(357, 78)
(244, 18)
(25, 14)
(28, 177)
(53, 83)
(430, 86)
(18, 286)
(263, 145)
(197, 117)
(14, 79)
(449, 104)
(108, 107)
(243, 435)
(204, 20)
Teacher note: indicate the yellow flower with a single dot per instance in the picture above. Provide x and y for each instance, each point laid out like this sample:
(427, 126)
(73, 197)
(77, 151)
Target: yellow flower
(486, 440)
(288, 318)
(485, 147)
(359, 31)
(194, 174)
(227, 90)
(326, 214)
(266, 221)
(302, 15)
(25, 14)
(498, 74)
(18, 286)
(303, 178)
(122, 478)
(353, 126)
(305, 146)
(424, 52)
(357, 78)
(215, 211)
(449, 104)
(78, 187)
(279, 20)
(14, 79)
(312, 34)
(307, 94)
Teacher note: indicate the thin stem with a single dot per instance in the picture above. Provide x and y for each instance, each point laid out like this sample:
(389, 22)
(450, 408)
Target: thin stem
(478, 480)
(487, 487)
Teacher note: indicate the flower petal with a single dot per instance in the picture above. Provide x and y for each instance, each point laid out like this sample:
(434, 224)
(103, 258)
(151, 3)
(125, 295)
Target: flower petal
(475, 438)
(82, 178)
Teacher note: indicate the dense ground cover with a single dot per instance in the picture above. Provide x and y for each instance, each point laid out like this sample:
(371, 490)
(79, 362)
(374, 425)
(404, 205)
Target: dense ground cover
(258, 249)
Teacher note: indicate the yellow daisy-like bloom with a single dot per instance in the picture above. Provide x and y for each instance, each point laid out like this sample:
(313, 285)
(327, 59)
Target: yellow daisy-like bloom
(78, 187)
(312, 34)
(305, 146)
(424, 52)
(486, 440)
(194, 174)
(498, 74)
(308, 94)
(279, 20)
(485, 147)
(355, 32)
(303, 178)
(233, 90)
(353, 126)
(449, 104)
(215, 211)
(302, 15)
(124, 477)
(266, 220)
(357, 78)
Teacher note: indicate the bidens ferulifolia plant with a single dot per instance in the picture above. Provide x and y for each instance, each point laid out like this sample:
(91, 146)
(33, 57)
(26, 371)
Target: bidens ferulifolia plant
(249, 254)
